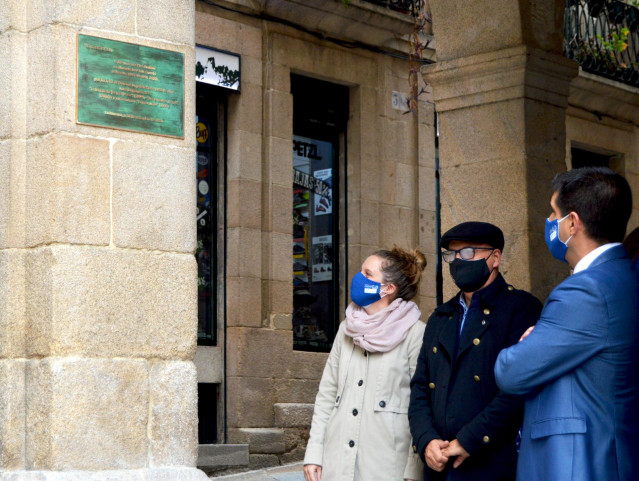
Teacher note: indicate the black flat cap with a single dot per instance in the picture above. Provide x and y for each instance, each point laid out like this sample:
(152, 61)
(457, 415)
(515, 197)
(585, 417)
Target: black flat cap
(480, 232)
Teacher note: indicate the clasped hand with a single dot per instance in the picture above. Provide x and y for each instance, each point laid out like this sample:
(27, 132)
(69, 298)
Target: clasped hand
(438, 453)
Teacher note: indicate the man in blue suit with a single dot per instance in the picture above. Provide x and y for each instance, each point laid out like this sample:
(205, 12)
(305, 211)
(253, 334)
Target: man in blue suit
(579, 367)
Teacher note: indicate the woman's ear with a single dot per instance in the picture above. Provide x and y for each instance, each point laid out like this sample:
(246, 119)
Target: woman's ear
(390, 290)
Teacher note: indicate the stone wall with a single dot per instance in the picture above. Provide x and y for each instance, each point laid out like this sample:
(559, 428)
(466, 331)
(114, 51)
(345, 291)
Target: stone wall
(97, 274)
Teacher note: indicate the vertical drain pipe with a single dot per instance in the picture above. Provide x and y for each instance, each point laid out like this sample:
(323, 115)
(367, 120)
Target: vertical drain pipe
(438, 219)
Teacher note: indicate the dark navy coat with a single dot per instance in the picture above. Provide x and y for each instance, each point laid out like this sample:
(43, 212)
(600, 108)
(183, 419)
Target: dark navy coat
(453, 391)
(580, 372)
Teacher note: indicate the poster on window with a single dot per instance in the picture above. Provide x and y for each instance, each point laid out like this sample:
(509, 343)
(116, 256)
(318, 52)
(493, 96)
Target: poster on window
(322, 258)
(323, 204)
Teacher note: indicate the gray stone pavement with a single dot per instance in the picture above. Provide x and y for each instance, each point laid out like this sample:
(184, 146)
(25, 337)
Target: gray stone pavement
(290, 472)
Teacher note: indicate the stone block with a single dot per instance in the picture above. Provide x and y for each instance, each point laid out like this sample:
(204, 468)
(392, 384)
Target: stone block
(252, 405)
(427, 188)
(213, 30)
(244, 204)
(296, 438)
(279, 114)
(244, 252)
(293, 415)
(268, 353)
(370, 223)
(216, 455)
(298, 390)
(172, 474)
(244, 160)
(259, 353)
(12, 414)
(13, 56)
(86, 414)
(243, 295)
(13, 200)
(354, 229)
(280, 77)
(173, 421)
(400, 143)
(498, 132)
(280, 204)
(209, 364)
(426, 151)
(462, 201)
(111, 303)
(252, 70)
(427, 232)
(68, 190)
(387, 177)
(281, 321)
(51, 82)
(116, 15)
(168, 20)
(260, 440)
(406, 183)
(262, 461)
(399, 226)
(280, 155)
(278, 297)
(372, 136)
(245, 110)
(12, 304)
(153, 197)
(280, 253)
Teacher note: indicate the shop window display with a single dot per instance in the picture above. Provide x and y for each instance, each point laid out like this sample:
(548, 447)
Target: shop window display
(313, 253)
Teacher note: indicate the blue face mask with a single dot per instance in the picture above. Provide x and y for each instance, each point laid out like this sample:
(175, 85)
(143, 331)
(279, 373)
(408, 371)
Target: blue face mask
(365, 292)
(556, 246)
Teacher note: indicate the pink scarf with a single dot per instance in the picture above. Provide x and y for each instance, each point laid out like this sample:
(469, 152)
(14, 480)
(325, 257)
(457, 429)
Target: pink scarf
(384, 330)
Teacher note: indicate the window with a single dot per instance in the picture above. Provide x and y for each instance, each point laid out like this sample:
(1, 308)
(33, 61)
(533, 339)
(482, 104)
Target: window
(210, 139)
(320, 111)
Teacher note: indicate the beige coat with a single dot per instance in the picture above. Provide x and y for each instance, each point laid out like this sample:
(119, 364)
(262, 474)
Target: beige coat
(360, 426)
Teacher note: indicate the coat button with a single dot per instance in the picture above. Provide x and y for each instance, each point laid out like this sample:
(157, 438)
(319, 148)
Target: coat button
(354, 412)
(360, 382)
(476, 342)
(511, 288)
(337, 399)
(476, 377)
(486, 439)
(431, 385)
(351, 443)
(382, 404)
(434, 350)
(486, 311)
(365, 353)
(483, 322)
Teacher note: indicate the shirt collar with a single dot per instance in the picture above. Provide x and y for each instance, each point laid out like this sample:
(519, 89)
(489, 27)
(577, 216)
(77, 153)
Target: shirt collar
(589, 258)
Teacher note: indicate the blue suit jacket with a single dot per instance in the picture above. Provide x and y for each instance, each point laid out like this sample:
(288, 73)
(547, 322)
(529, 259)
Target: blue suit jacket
(579, 371)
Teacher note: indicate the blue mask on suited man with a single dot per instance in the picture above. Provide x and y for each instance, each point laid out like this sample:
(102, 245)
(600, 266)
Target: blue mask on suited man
(364, 291)
(556, 246)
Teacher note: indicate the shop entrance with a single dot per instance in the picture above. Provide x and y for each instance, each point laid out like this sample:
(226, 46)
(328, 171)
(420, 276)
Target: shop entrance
(320, 111)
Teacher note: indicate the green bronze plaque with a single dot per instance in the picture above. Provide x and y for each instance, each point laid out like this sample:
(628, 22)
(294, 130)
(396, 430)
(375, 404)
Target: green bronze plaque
(132, 87)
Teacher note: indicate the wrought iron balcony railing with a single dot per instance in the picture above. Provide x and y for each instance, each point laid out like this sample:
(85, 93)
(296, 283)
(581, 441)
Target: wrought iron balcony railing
(603, 36)
(404, 6)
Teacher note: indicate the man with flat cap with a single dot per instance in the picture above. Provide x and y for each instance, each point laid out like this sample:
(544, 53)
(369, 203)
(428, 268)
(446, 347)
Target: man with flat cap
(463, 426)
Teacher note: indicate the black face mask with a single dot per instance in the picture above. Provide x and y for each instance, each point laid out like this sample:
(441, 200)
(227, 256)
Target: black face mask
(469, 275)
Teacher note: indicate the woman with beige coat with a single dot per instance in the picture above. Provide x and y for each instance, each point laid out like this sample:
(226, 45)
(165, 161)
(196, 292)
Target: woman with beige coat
(360, 423)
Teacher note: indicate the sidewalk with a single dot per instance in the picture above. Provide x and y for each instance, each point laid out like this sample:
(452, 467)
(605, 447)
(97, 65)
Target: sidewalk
(290, 472)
